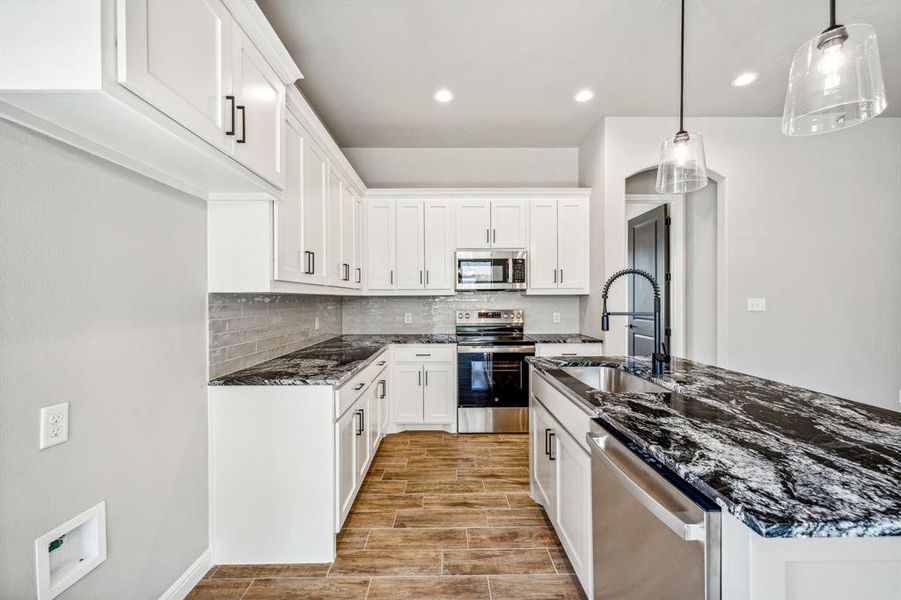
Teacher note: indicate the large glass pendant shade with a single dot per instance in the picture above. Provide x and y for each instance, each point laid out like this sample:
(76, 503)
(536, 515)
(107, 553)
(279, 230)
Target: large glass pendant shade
(682, 167)
(835, 82)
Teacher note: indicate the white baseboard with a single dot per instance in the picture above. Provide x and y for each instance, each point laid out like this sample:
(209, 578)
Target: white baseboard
(184, 584)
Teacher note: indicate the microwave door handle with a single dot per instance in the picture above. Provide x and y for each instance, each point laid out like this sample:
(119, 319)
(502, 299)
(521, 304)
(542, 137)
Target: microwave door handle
(645, 493)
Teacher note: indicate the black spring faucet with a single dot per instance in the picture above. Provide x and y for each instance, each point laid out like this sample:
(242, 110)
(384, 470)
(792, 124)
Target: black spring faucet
(660, 356)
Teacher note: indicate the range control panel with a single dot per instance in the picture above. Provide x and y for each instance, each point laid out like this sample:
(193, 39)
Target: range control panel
(488, 317)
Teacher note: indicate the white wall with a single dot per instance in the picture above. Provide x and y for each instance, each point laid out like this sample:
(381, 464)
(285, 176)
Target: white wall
(812, 224)
(466, 167)
(103, 304)
(591, 174)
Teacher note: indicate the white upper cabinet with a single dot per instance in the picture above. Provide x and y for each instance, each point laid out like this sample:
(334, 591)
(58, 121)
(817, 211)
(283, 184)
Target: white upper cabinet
(334, 269)
(410, 264)
(177, 58)
(380, 245)
(439, 244)
(348, 235)
(491, 223)
(543, 243)
(558, 245)
(315, 189)
(473, 223)
(572, 243)
(259, 110)
(289, 257)
(508, 223)
(357, 273)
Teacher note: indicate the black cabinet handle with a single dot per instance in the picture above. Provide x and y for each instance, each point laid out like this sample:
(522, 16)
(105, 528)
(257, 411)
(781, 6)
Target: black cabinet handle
(383, 388)
(555, 275)
(359, 386)
(488, 236)
(550, 452)
(243, 138)
(308, 268)
(493, 236)
(359, 275)
(419, 378)
(420, 276)
(427, 378)
(561, 275)
(232, 100)
(427, 277)
(424, 354)
(363, 421)
(380, 363)
(359, 430)
(312, 263)
(391, 281)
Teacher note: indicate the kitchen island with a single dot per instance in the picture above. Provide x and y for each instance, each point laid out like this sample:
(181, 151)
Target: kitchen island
(788, 467)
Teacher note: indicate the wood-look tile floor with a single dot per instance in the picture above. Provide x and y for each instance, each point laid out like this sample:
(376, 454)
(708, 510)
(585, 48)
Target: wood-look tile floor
(439, 516)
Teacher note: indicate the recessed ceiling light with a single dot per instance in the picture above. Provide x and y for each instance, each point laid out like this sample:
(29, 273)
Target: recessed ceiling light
(745, 79)
(583, 96)
(443, 95)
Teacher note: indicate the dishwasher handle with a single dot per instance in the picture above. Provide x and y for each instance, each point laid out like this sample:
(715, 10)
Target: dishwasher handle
(685, 530)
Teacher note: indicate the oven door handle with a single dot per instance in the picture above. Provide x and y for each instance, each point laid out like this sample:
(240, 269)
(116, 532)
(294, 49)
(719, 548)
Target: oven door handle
(496, 349)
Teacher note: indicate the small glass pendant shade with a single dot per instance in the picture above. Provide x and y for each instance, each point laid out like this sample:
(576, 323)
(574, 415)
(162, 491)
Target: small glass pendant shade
(835, 82)
(682, 167)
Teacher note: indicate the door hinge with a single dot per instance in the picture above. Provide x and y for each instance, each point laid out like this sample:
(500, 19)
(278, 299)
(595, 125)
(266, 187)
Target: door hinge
(668, 221)
(668, 277)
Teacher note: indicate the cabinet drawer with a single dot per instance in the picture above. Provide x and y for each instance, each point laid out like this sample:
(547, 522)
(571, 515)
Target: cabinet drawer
(591, 349)
(426, 354)
(350, 391)
(573, 419)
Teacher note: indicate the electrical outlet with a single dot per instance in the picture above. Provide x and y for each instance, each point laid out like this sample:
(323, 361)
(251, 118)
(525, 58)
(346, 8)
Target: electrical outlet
(408, 317)
(316, 323)
(54, 425)
(756, 304)
(556, 317)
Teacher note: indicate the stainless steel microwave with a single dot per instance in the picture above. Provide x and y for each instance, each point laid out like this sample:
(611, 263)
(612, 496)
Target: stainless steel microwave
(491, 270)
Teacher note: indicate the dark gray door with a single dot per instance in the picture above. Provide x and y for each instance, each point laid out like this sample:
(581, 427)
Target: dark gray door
(648, 250)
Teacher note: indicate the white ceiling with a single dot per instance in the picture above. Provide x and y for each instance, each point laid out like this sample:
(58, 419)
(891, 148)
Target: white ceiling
(371, 66)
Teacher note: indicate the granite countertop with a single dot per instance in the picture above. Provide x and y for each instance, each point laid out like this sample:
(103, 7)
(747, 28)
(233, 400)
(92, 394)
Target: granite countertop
(562, 338)
(331, 362)
(786, 461)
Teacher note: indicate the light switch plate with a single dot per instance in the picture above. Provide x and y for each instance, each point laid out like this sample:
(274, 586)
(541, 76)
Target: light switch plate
(756, 304)
(54, 425)
(556, 317)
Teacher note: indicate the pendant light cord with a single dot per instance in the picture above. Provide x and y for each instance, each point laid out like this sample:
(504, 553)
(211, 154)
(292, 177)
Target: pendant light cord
(831, 14)
(682, 68)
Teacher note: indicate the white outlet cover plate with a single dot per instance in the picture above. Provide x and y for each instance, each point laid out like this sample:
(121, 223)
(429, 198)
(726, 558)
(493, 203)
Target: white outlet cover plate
(54, 425)
(756, 304)
(556, 317)
(408, 317)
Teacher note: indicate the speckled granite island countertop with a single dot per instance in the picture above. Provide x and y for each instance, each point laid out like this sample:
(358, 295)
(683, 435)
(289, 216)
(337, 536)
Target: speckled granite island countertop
(786, 461)
(331, 362)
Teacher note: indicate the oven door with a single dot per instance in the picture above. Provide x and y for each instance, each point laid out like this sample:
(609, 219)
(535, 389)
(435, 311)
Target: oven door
(484, 273)
(493, 377)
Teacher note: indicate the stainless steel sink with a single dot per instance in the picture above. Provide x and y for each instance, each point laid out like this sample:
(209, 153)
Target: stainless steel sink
(609, 379)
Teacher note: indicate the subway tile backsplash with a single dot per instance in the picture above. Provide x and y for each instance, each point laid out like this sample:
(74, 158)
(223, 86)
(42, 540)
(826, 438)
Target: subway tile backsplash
(247, 329)
(436, 314)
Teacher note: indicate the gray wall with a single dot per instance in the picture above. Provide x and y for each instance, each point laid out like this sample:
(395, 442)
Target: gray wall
(436, 314)
(591, 175)
(466, 167)
(247, 329)
(103, 305)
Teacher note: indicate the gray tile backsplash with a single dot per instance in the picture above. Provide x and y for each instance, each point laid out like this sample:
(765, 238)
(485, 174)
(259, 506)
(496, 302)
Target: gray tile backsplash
(436, 314)
(247, 329)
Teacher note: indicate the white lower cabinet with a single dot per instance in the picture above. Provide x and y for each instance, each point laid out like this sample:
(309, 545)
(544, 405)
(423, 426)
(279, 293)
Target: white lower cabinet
(345, 437)
(425, 386)
(586, 349)
(560, 480)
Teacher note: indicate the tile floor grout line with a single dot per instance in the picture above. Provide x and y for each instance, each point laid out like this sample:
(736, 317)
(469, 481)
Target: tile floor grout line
(250, 585)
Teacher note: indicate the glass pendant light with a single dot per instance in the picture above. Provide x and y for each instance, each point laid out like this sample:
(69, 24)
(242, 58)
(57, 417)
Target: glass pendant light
(682, 166)
(835, 80)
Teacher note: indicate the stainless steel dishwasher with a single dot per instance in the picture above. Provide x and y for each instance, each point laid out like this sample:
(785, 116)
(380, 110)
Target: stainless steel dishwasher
(650, 539)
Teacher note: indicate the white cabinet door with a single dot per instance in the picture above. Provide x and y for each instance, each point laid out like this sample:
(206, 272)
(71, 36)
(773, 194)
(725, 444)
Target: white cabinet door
(177, 57)
(573, 511)
(543, 243)
(544, 470)
(289, 257)
(345, 439)
(348, 234)
(362, 446)
(315, 188)
(410, 268)
(407, 393)
(374, 418)
(473, 223)
(508, 223)
(572, 243)
(259, 111)
(333, 268)
(439, 244)
(380, 246)
(357, 272)
(439, 397)
(383, 387)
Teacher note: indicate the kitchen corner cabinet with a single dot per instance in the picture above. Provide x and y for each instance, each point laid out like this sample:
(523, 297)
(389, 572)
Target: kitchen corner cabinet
(558, 246)
(491, 223)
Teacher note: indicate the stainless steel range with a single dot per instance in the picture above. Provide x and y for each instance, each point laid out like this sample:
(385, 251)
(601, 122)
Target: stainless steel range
(492, 372)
